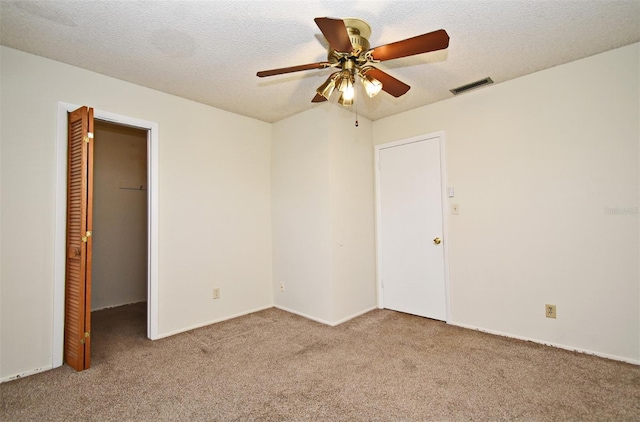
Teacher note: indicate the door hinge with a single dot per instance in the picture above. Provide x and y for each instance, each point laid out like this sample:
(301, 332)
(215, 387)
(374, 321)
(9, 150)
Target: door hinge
(89, 136)
(86, 237)
(86, 336)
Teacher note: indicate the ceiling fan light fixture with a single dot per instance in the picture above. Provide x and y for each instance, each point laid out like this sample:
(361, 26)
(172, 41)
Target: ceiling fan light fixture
(345, 80)
(372, 86)
(346, 99)
(345, 86)
(326, 89)
(347, 89)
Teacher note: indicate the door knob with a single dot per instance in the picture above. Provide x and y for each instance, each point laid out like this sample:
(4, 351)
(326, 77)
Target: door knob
(437, 240)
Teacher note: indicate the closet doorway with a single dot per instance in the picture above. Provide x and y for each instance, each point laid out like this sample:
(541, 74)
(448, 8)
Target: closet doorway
(119, 268)
(115, 260)
(119, 236)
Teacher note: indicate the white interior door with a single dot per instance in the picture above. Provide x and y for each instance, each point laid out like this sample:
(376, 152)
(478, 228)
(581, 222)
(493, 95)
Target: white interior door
(410, 225)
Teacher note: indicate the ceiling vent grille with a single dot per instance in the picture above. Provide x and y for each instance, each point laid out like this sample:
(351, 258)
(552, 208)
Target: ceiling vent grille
(472, 85)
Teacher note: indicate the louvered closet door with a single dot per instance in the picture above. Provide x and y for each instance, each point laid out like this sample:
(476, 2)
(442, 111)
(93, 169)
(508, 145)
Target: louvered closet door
(77, 341)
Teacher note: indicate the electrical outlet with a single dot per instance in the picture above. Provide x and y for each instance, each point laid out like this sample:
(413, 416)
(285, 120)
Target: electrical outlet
(216, 293)
(550, 311)
(282, 287)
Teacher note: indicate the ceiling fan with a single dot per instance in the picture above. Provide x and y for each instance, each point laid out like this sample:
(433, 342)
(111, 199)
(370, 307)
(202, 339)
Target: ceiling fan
(349, 52)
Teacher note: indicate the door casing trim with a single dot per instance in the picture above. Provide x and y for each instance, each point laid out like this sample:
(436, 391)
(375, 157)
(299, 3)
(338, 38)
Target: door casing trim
(61, 222)
(445, 213)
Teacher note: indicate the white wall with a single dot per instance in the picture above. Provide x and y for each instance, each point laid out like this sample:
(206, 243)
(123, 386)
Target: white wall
(301, 214)
(119, 263)
(214, 203)
(352, 214)
(536, 162)
(322, 213)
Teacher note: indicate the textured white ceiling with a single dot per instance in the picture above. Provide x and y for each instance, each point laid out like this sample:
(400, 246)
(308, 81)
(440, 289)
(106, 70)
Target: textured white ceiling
(210, 51)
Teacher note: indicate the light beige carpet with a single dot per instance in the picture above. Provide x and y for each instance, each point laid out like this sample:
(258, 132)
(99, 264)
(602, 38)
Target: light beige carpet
(274, 366)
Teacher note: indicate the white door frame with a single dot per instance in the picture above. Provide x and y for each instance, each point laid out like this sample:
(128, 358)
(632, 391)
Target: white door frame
(445, 211)
(61, 221)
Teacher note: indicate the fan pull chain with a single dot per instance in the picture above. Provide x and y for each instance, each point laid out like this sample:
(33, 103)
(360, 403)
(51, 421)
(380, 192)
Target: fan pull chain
(356, 113)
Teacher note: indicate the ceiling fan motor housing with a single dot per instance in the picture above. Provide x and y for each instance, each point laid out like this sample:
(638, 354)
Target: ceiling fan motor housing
(358, 31)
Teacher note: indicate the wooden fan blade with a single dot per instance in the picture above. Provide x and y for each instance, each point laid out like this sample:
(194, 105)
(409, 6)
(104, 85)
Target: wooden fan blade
(390, 84)
(424, 43)
(272, 72)
(318, 99)
(335, 31)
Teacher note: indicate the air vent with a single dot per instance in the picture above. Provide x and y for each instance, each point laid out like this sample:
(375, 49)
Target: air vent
(472, 85)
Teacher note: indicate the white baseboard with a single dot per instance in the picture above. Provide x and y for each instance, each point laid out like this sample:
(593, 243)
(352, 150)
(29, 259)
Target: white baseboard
(546, 343)
(357, 314)
(322, 321)
(204, 324)
(25, 374)
(302, 314)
